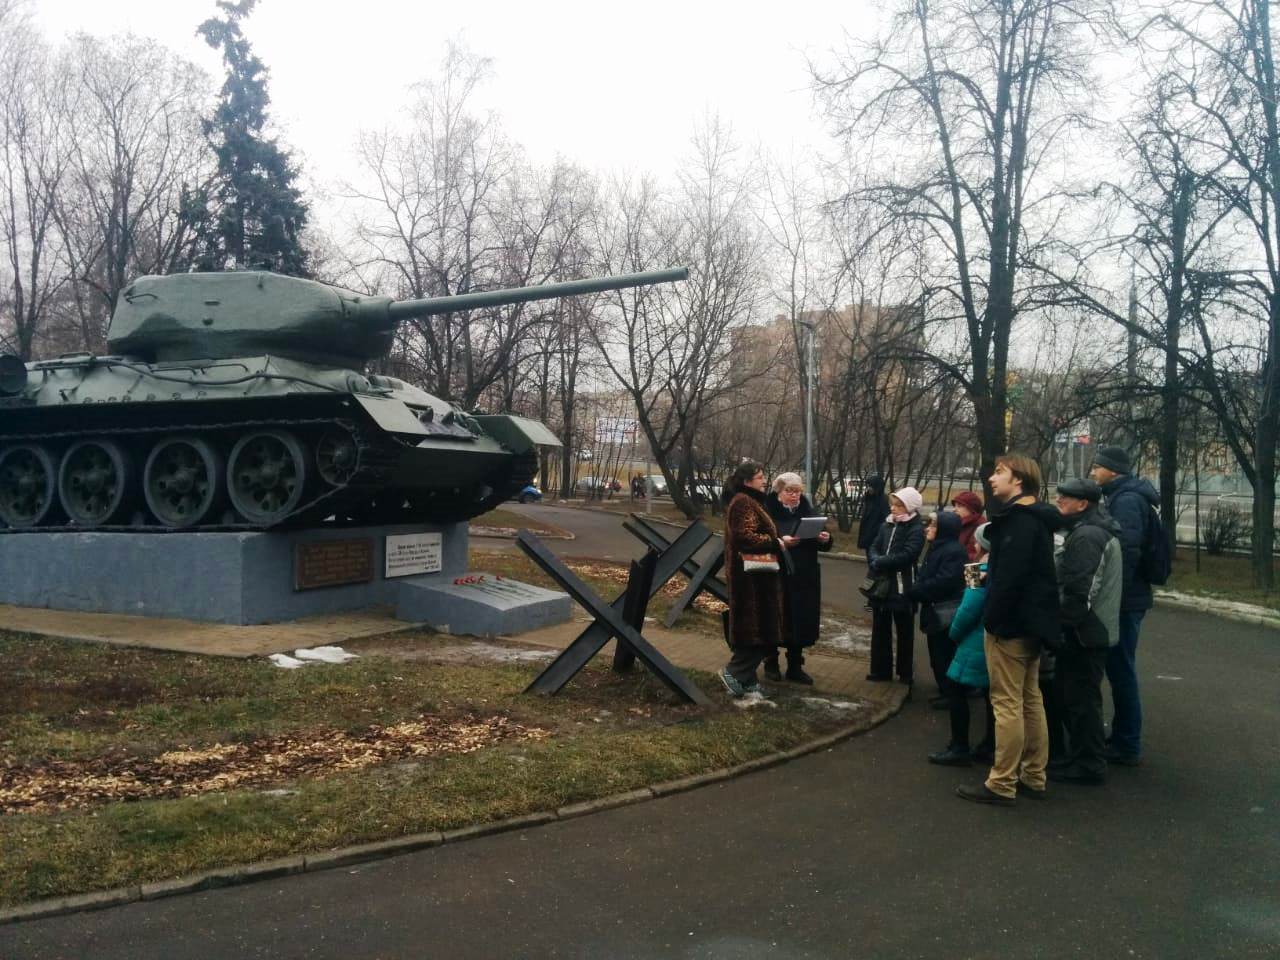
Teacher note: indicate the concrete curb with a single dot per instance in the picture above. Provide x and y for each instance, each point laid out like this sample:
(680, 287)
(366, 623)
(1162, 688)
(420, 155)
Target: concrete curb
(1227, 609)
(363, 853)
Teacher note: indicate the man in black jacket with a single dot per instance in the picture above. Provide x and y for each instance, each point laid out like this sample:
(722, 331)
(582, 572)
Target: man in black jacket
(1020, 614)
(1130, 500)
(1089, 580)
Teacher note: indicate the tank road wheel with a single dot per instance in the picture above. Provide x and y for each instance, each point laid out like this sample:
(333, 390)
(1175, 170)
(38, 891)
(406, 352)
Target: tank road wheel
(94, 482)
(182, 481)
(336, 458)
(267, 475)
(28, 486)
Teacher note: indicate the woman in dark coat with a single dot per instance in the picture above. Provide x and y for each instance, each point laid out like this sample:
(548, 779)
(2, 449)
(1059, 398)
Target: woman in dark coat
(941, 580)
(802, 584)
(893, 557)
(755, 598)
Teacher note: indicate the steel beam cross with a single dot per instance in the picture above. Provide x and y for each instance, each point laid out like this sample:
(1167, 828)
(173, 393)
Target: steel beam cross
(609, 620)
(701, 576)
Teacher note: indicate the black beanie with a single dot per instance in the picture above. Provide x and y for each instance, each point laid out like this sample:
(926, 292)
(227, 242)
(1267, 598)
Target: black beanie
(1115, 459)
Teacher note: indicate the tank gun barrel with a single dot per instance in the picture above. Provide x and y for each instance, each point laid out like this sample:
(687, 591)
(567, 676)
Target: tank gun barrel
(404, 309)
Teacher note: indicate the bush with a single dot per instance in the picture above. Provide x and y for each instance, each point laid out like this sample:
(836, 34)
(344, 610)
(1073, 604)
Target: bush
(1226, 528)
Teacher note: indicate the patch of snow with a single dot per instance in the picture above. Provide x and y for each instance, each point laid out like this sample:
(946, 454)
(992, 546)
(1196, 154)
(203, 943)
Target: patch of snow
(844, 635)
(749, 700)
(492, 651)
(1215, 604)
(285, 662)
(824, 703)
(325, 655)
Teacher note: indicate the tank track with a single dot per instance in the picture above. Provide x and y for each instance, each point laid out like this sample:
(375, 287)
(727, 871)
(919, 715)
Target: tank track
(375, 459)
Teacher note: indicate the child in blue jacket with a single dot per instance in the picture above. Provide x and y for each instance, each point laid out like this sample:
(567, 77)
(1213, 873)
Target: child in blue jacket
(969, 670)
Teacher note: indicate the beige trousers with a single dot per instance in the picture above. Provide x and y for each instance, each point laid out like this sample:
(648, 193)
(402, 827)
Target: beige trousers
(1022, 736)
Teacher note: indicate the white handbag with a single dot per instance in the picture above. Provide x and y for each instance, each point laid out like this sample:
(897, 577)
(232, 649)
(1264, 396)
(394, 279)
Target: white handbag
(760, 563)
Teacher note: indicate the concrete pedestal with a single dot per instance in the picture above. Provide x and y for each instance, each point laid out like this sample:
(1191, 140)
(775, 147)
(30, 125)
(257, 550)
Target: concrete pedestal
(253, 578)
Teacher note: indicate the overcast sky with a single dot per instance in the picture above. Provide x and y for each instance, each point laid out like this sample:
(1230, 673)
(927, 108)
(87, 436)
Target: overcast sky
(606, 85)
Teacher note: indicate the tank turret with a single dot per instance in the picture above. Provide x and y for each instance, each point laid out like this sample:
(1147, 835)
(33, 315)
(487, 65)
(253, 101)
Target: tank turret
(235, 401)
(197, 316)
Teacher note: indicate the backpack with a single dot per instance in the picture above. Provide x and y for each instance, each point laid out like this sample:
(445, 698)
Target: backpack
(1155, 563)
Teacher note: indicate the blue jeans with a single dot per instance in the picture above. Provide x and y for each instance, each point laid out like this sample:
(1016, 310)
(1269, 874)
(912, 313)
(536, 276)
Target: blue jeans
(1122, 674)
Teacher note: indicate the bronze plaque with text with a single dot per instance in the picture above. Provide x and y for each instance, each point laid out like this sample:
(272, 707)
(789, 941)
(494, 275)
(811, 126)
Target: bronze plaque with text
(332, 563)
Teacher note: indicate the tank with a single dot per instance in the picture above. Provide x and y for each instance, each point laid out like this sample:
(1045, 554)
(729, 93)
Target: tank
(242, 400)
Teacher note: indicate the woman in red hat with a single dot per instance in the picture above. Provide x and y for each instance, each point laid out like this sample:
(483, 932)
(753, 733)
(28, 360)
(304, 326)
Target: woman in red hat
(969, 506)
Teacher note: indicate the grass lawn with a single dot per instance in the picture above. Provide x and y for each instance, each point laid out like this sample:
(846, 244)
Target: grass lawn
(1223, 577)
(122, 766)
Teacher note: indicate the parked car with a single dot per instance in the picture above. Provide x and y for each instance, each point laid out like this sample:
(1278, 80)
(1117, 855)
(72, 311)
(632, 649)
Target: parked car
(596, 486)
(966, 473)
(584, 454)
(655, 485)
(530, 494)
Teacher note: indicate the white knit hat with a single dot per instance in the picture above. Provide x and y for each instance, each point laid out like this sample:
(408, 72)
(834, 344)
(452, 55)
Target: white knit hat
(910, 498)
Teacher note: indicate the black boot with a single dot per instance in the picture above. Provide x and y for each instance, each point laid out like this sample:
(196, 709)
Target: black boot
(771, 669)
(795, 671)
(955, 755)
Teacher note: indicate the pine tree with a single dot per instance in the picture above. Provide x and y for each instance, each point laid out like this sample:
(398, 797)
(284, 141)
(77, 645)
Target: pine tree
(256, 213)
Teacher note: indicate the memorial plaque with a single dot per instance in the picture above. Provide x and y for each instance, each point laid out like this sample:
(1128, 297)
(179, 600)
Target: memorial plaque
(414, 553)
(332, 563)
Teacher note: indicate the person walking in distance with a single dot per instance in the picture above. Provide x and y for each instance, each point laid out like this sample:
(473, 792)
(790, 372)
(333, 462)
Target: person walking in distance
(875, 508)
(1020, 614)
(1090, 575)
(1130, 501)
(752, 549)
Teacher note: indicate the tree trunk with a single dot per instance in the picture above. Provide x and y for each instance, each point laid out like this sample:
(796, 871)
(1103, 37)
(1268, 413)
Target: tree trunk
(1266, 435)
(1169, 390)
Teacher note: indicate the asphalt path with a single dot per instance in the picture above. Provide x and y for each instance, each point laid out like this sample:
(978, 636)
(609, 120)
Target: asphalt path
(859, 851)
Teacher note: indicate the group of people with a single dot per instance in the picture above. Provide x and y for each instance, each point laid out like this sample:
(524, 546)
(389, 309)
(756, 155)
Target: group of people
(1027, 610)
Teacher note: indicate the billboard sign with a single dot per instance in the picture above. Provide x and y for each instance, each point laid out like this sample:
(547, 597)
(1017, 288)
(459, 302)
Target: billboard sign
(616, 431)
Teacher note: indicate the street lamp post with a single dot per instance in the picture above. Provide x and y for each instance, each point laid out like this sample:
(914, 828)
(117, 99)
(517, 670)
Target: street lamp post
(811, 327)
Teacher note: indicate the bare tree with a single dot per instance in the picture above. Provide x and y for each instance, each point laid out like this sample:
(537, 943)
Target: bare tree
(1239, 100)
(452, 207)
(32, 165)
(671, 349)
(984, 92)
(132, 115)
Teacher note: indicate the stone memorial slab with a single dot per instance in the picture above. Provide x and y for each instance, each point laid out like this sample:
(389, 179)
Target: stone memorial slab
(480, 604)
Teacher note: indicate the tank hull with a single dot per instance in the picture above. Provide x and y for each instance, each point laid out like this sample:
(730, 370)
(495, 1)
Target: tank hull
(119, 445)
